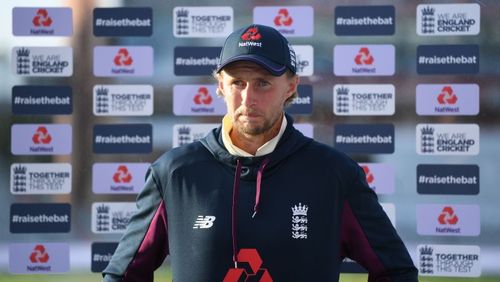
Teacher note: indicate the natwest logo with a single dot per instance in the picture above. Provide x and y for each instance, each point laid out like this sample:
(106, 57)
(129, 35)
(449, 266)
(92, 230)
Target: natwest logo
(288, 20)
(50, 139)
(118, 178)
(41, 136)
(123, 61)
(380, 177)
(251, 34)
(202, 97)
(197, 100)
(38, 258)
(448, 220)
(122, 175)
(369, 175)
(364, 57)
(39, 255)
(123, 58)
(448, 216)
(41, 21)
(447, 97)
(361, 60)
(283, 18)
(252, 258)
(42, 18)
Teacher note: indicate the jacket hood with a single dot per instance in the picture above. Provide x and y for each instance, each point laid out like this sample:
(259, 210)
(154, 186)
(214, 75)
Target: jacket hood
(291, 141)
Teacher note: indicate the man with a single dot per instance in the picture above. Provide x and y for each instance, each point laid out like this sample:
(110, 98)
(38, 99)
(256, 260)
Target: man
(255, 199)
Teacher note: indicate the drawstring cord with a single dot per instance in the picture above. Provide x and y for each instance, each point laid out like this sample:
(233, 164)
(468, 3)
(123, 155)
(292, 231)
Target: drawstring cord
(260, 172)
(234, 211)
(236, 188)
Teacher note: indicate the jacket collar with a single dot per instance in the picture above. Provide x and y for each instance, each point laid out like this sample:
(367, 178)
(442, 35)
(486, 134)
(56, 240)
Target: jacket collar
(291, 141)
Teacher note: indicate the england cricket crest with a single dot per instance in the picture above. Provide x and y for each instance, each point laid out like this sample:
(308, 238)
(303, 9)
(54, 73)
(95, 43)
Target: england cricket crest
(299, 221)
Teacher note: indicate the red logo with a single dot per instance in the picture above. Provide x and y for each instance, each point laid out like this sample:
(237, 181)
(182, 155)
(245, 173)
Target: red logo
(39, 255)
(123, 58)
(364, 57)
(202, 97)
(369, 175)
(41, 136)
(252, 257)
(122, 175)
(283, 18)
(42, 18)
(251, 34)
(448, 216)
(447, 96)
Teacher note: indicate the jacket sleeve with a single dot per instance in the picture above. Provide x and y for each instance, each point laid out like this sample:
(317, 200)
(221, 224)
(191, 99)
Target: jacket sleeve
(144, 245)
(368, 237)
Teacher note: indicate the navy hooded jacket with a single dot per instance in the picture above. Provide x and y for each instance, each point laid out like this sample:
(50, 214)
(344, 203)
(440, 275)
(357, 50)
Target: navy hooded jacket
(291, 215)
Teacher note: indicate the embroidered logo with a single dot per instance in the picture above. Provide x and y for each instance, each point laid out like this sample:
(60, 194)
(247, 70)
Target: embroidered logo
(250, 38)
(299, 221)
(204, 221)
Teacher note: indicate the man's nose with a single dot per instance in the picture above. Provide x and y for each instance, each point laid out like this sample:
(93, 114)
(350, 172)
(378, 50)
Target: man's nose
(248, 96)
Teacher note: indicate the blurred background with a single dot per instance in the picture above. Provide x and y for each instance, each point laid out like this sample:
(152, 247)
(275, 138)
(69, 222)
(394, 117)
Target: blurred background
(404, 159)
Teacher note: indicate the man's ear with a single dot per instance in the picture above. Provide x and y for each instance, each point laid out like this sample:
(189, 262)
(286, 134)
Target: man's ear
(220, 87)
(292, 86)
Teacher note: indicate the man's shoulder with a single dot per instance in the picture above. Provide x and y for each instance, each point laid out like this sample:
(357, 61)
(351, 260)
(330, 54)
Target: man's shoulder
(181, 156)
(327, 151)
(330, 157)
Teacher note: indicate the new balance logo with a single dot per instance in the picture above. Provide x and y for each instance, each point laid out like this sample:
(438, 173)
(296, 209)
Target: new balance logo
(204, 221)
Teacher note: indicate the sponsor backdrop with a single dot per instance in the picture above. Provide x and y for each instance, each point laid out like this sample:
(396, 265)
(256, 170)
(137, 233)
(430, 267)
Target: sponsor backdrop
(92, 92)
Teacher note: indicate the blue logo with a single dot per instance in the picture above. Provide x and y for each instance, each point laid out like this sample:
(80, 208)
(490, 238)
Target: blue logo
(448, 179)
(365, 138)
(40, 218)
(42, 100)
(303, 104)
(195, 60)
(101, 255)
(448, 59)
(123, 21)
(365, 20)
(123, 139)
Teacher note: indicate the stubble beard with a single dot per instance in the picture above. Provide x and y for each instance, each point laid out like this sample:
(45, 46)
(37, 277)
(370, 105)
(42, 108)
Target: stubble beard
(252, 128)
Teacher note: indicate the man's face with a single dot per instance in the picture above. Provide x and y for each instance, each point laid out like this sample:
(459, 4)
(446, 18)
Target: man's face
(255, 99)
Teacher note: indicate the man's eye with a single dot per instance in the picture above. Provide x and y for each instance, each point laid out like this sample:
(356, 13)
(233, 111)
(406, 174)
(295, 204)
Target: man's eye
(239, 83)
(264, 83)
